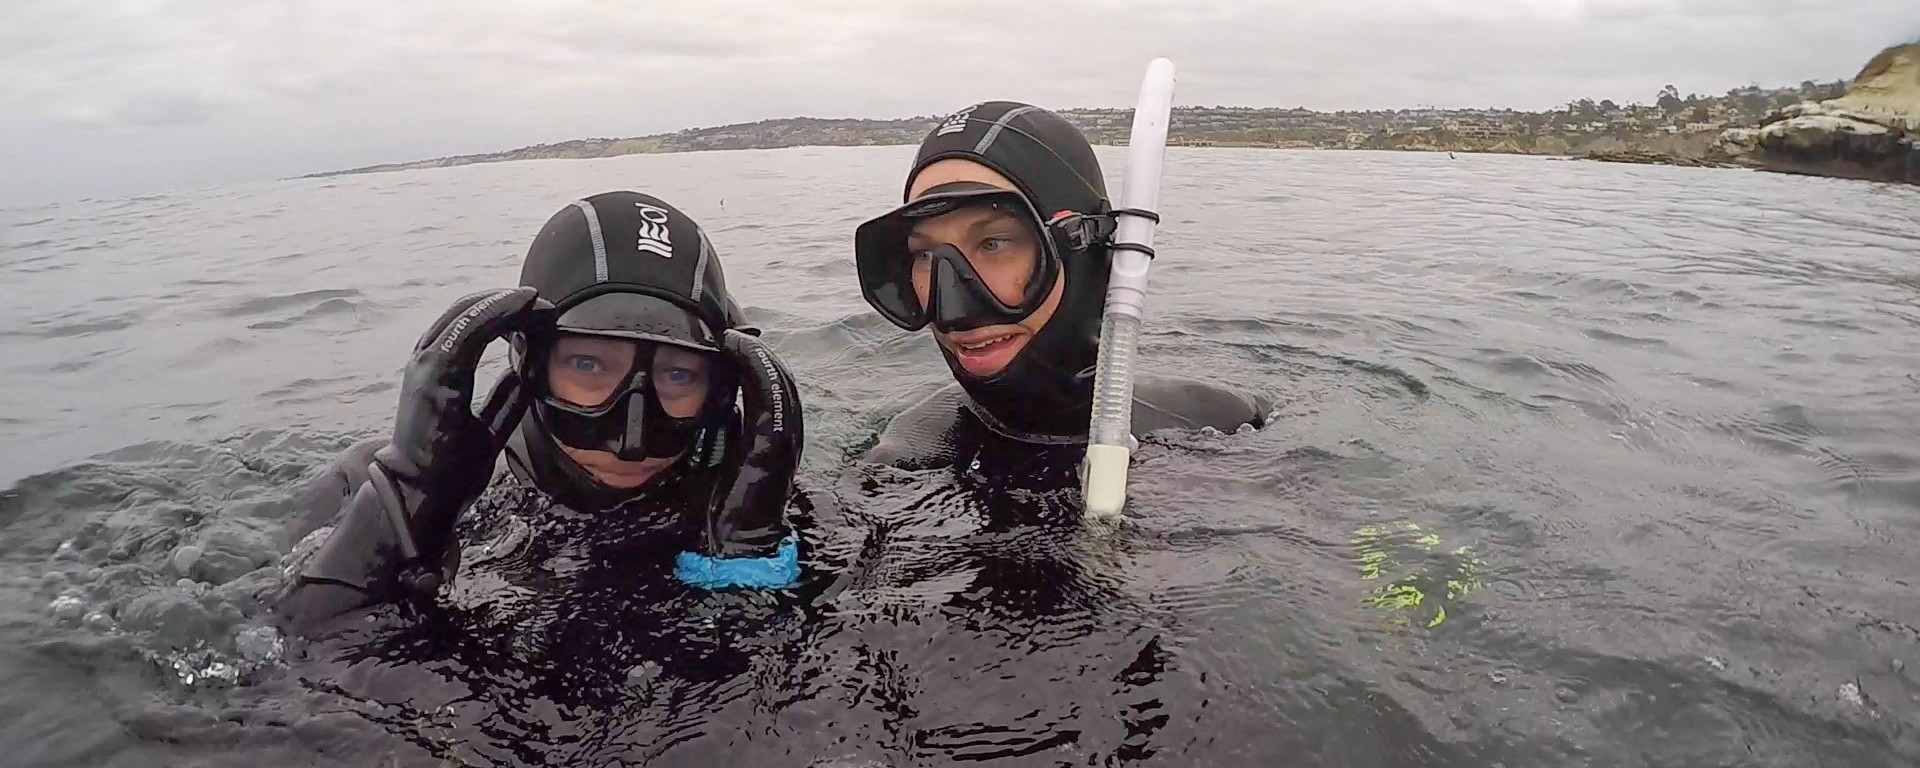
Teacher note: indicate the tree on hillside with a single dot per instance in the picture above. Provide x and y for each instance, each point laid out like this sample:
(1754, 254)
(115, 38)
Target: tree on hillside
(1669, 99)
(1608, 106)
(1701, 115)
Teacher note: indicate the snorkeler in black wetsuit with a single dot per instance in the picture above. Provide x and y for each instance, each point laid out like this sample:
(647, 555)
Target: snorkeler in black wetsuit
(625, 456)
(1002, 246)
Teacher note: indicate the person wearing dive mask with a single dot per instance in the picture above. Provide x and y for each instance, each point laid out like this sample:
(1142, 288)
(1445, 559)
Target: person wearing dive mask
(1002, 247)
(616, 422)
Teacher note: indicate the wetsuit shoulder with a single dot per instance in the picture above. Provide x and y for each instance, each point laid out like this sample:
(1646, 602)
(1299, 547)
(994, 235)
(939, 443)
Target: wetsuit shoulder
(323, 498)
(921, 436)
(1172, 402)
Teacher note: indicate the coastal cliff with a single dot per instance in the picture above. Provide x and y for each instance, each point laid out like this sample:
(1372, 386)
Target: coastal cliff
(1673, 129)
(1871, 132)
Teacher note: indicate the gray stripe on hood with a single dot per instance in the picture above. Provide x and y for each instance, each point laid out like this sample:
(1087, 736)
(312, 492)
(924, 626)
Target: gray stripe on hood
(998, 126)
(599, 242)
(700, 268)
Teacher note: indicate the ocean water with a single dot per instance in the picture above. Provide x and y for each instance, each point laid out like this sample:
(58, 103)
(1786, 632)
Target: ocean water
(1572, 464)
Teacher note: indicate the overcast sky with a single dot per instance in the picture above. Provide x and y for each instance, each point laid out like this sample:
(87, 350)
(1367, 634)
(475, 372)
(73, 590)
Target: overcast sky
(114, 97)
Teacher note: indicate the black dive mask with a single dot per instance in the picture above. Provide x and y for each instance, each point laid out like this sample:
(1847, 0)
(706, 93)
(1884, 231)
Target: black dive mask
(617, 370)
(1009, 243)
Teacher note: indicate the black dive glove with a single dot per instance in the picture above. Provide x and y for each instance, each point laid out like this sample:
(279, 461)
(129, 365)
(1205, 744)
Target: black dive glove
(397, 530)
(747, 541)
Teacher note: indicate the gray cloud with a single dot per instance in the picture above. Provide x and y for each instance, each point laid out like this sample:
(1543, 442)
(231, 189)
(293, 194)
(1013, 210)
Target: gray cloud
(118, 96)
(162, 110)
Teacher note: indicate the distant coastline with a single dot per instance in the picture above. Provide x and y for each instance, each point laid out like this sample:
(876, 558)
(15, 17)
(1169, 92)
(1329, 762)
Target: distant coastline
(1674, 129)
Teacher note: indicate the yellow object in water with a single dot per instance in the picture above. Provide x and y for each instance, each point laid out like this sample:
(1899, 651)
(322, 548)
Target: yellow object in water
(1379, 550)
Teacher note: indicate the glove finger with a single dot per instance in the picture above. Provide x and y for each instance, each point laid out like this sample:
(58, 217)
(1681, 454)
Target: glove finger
(747, 514)
(441, 375)
(770, 399)
(504, 408)
(457, 308)
(790, 392)
(487, 316)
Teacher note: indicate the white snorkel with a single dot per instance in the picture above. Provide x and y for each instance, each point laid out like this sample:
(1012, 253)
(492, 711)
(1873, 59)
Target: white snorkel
(1110, 440)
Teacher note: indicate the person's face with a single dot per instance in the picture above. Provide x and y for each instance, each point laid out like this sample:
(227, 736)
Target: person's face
(587, 369)
(1000, 247)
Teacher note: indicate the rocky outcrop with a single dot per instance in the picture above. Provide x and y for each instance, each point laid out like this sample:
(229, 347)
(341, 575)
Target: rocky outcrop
(1641, 156)
(1872, 132)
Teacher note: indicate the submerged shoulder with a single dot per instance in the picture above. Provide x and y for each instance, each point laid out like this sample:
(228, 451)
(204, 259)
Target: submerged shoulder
(920, 436)
(1172, 402)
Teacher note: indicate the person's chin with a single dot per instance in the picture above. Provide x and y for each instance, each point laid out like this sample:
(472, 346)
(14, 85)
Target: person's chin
(620, 479)
(984, 361)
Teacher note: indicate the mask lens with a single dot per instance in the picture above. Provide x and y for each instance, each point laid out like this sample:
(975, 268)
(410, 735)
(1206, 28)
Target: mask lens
(589, 371)
(682, 379)
(885, 268)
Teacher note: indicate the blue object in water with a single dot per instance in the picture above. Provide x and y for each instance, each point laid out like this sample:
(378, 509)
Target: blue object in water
(781, 569)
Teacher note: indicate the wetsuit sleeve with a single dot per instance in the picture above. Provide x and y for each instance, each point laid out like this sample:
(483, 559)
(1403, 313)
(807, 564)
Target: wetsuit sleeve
(921, 436)
(323, 499)
(301, 607)
(1166, 402)
(352, 567)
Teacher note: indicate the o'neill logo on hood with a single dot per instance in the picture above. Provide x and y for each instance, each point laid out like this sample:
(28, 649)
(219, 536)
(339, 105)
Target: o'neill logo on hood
(654, 237)
(957, 122)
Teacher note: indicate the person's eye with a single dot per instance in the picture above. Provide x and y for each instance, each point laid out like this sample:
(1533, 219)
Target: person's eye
(681, 376)
(585, 364)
